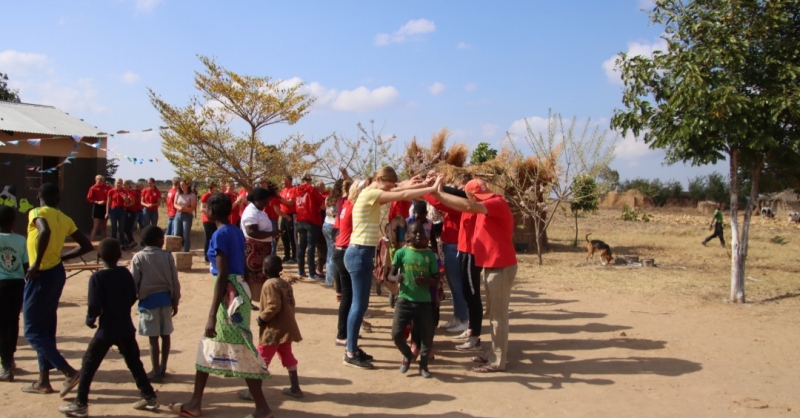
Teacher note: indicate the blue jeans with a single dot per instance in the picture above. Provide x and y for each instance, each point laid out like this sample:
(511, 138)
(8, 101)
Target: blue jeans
(170, 226)
(39, 310)
(360, 261)
(330, 267)
(183, 228)
(452, 270)
(274, 240)
(149, 218)
(117, 217)
(308, 241)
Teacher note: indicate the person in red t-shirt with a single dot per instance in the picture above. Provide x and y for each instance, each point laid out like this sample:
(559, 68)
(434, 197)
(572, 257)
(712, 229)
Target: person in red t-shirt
(230, 191)
(115, 211)
(288, 236)
(344, 224)
(273, 210)
(98, 195)
(208, 227)
(494, 251)
(132, 203)
(309, 205)
(151, 200)
(176, 181)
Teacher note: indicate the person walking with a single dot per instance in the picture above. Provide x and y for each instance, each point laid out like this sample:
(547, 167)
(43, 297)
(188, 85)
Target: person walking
(98, 195)
(717, 226)
(258, 234)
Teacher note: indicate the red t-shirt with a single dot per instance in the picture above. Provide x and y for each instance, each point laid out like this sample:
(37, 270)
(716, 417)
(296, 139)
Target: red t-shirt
(117, 198)
(466, 230)
(270, 208)
(344, 222)
(308, 204)
(243, 193)
(400, 207)
(98, 193)
(493, 241)
(452, 220)
(204, 199)
(288, 193)
(136, 196)
(234, 217)
(152, 197)
(171, 202)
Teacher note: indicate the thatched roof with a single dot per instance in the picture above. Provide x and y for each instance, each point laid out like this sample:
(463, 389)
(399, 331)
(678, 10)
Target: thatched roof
(786, 196)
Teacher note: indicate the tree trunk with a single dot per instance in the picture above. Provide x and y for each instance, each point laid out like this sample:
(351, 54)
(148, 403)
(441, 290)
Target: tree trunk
(575, 241)
(739, 243)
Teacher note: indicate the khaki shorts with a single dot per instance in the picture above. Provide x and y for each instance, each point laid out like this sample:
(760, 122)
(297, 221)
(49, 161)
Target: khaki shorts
(155, 322)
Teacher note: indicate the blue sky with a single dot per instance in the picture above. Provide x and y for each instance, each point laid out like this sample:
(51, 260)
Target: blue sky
(477, 68)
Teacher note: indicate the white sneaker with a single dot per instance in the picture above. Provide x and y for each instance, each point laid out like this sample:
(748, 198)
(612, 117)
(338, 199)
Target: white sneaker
(461, 327)
(464, 336)
(447, 325)
(472, 344)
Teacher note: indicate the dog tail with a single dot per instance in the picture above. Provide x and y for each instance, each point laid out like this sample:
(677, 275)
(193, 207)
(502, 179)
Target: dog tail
(587, 237)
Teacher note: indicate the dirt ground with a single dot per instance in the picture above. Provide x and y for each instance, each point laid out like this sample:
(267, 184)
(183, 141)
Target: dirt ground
(586, 340)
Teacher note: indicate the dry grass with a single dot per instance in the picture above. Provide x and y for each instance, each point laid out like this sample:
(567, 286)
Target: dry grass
(684, 269)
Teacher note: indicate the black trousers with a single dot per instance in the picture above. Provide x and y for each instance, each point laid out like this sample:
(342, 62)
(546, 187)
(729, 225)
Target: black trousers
(209, 228)
(96, 352)
(420, 313)
(717, 234)
(11, 291)
(346, 285)
(288, 238)
(130, 222)
(471, 285)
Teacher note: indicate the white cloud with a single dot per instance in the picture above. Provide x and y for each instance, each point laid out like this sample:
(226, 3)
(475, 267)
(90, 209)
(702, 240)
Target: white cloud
(489, 130)
(463, 45)
(470, 87)
(436, 88)
(363, 99)
(129, 77)
(634, 49)
(146, 5)
(519, 128)
(17, 63)
(412, 28)
(631, 148)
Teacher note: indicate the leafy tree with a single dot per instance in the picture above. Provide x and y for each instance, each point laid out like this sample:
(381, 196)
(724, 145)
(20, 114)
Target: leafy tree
(726, 88)
(482, 153)
(608, 180)
(112, 165)
(6, 93)
(201, 141)
(585, 198)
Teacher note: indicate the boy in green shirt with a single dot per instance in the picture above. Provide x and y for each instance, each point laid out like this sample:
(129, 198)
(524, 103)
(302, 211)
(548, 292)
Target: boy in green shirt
(716, 225)
(419, 271)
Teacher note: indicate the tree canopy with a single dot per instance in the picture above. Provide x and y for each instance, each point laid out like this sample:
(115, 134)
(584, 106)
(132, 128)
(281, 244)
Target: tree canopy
(6, 93)
(482, 153)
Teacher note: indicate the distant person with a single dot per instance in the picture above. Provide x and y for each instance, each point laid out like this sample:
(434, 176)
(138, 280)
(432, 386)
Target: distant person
(133, 210)
(112, 293)
(171, 212)
(151, 200)
(185, 204)
(48, 227)
(288, 236)
(115, 211)
(13, 265)
(159, 293)
(329, 230)
(717, 226)
(273, 210)
(230, 191)
(98, 195)
(208, 227)
(308, 203)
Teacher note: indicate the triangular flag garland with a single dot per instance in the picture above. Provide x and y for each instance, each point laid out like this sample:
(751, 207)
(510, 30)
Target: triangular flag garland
(36, 143)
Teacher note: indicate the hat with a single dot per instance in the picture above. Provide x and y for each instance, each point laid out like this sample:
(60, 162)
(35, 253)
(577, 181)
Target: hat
(478, 188)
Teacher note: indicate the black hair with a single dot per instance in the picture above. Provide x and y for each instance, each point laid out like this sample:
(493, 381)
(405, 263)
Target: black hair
(110, 250)
(273, 265)
(220, 205)
(258, 194)
(7, 216)
(420, 207)
(151, 235)
(49, 194)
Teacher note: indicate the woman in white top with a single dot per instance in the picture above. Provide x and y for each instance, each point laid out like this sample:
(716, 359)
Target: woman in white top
(185, 204)
(258, 236)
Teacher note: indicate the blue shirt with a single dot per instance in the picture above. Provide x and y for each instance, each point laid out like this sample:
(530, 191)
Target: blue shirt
(13, 255)
(155, 301)
(228, 240)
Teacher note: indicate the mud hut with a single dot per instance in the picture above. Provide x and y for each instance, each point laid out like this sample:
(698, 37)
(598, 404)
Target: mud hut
(707, 207)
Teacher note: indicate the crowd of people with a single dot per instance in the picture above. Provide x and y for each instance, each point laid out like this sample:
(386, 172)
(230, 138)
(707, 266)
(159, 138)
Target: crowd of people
(459, 234)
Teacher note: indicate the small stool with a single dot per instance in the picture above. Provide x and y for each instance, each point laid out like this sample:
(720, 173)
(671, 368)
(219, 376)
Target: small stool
(183, 261)
(173, 243)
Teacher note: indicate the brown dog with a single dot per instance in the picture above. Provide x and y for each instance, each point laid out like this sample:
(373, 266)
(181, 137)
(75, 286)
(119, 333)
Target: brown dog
(601, 247)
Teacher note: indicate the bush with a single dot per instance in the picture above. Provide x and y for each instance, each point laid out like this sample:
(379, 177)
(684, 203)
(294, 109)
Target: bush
(634, 215)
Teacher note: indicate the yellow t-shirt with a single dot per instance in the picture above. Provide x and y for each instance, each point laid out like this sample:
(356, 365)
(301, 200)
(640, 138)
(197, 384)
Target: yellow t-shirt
(61, 226)
(366, 218)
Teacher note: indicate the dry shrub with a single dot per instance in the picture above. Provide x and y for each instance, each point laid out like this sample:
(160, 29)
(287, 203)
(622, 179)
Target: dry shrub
(457, 155)
(436, 151)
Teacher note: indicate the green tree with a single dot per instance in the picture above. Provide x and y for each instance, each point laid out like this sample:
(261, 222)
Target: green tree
(726, 88)
(482, 153)
(608, 180)
(203, 139)
(585, 198)
(6, 93)
(112, 165)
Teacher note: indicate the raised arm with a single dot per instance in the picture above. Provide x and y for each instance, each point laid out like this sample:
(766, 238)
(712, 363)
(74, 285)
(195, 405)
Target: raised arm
(460, 204)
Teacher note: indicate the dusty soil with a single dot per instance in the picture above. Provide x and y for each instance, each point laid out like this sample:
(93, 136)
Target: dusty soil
(585, 340)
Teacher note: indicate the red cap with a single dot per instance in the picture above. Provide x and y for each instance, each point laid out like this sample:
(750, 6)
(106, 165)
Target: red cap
(478, 188)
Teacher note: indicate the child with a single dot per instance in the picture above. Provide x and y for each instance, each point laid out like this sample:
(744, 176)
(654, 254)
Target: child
(13, 265)
(112, 293)
(419, 271)
(276, 323)
(159, 290)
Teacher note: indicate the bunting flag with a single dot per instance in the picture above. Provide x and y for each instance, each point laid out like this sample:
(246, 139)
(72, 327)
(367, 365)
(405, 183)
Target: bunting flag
(36, 143)
(77, 138)
(96, 144)
(14, 142)
(2, 144)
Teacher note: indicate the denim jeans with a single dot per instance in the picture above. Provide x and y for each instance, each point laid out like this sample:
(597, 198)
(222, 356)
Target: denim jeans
(305, 250)
(117, 217)
(170, 226)
(149, 218)
(359, 261)
(330, 268)
(183, 228)
(452, 270)
(274, 240)
(39, 306)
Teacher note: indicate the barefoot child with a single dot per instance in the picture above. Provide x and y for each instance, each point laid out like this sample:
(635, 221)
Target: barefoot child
(13, 265)
(419, 269)
(112, 293)
(156, 278)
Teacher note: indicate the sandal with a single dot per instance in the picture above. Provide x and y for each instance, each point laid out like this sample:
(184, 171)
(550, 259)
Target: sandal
(486, 369)
(177, 409)
(70, 384)
(245, 395)
(480, 359)
(288, 392)
(33, 389)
